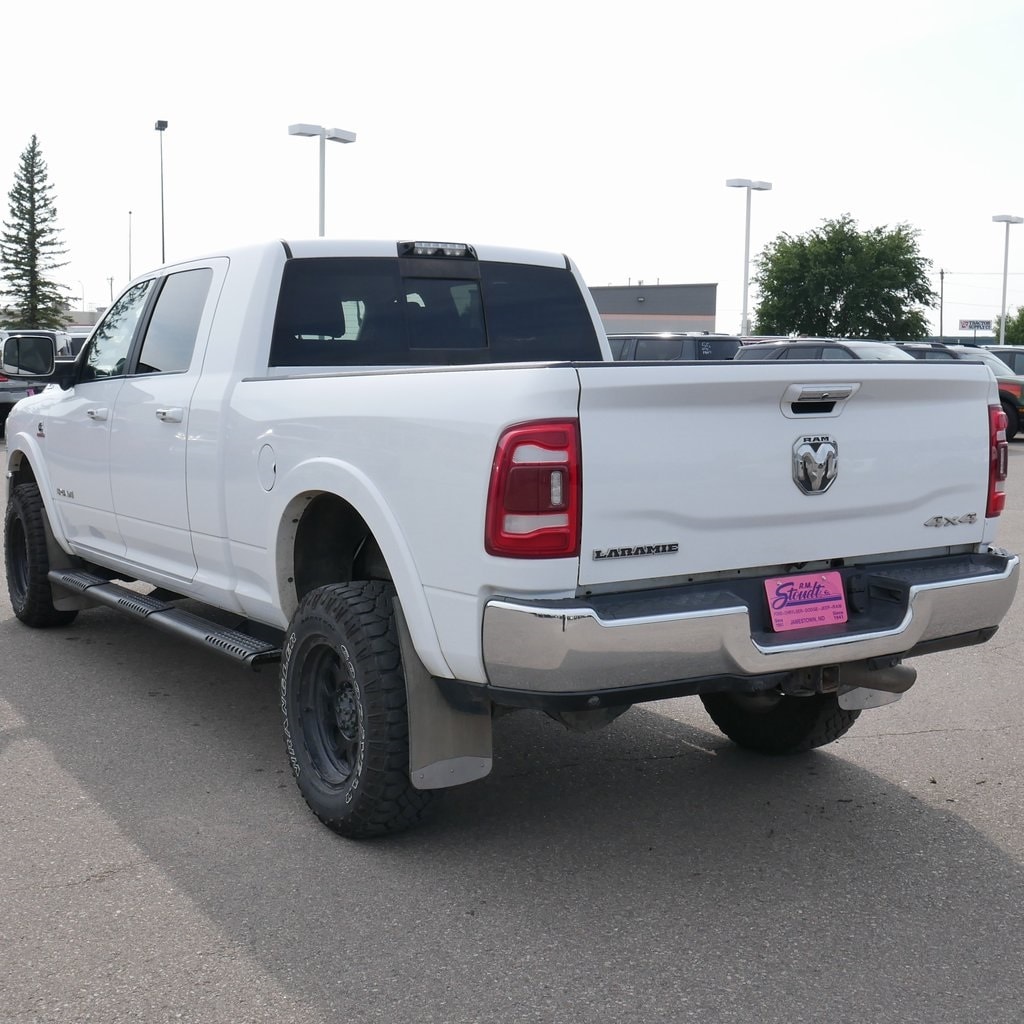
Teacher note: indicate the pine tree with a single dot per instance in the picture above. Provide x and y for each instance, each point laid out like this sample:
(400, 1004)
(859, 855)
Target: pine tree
(29, 249)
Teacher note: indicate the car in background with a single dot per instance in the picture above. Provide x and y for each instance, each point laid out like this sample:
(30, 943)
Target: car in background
(838, 349)
(13, 391)
(1011, 384)
(1012, 355)
(77, 337)
(671, 345)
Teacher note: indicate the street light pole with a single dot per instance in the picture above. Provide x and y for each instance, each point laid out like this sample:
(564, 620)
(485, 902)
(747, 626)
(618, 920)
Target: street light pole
(318, 131)
(1007, 219)
(161, 127)
(750, 186)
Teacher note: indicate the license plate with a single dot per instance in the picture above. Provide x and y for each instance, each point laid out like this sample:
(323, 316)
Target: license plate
(810, 599)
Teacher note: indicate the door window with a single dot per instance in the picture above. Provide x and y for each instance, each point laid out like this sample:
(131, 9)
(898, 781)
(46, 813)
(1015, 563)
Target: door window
(111, 340)
(171, 334)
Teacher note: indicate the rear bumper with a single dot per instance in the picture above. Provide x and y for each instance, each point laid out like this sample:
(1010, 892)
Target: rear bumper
(719, 630)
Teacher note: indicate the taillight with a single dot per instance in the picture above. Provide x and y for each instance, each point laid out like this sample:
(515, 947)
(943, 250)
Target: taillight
(534, 500)
(998, 459)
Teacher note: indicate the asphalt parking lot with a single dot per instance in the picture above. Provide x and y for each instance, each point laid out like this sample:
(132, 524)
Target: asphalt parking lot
(157, 863)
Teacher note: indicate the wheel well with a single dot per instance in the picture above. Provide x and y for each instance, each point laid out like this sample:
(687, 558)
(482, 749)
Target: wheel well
(21, 471)
(331, 544)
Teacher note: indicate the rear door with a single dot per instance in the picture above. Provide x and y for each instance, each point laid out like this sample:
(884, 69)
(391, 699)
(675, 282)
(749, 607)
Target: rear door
(694, 468)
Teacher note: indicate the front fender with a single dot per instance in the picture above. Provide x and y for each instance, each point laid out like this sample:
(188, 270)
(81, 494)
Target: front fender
(24, 451)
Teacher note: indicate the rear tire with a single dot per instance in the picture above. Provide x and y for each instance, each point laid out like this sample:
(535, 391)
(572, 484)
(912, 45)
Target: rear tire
(777, 723)
(27, 560)
(346, 724)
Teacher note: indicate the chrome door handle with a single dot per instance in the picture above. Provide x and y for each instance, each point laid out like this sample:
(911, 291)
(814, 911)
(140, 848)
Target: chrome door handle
(170, 415)
(97, 414)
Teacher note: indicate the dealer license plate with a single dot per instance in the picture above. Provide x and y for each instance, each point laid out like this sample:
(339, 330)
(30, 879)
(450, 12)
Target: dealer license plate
(810, 599)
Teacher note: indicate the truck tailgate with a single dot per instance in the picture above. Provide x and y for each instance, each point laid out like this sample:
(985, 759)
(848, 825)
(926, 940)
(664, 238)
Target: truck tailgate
(690, 468)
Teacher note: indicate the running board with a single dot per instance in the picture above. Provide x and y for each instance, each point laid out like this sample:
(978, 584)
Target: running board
(231, 642)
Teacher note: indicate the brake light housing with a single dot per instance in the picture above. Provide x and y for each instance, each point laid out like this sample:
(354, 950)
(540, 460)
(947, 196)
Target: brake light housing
(999, 456)
(534, 500)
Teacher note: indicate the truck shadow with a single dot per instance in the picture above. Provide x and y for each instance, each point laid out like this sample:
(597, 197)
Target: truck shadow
(647, 872)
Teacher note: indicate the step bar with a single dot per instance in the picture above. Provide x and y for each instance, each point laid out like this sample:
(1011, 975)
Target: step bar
(233, 643)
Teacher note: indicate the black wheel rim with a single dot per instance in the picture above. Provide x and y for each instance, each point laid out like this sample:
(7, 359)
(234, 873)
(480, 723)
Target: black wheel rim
(331, 715)
(17, 559)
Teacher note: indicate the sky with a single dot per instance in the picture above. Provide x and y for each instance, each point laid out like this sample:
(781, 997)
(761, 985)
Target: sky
(602, 130)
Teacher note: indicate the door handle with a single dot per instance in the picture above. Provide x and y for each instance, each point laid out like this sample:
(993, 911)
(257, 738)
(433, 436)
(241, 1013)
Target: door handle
(173, 415)
(97, 414)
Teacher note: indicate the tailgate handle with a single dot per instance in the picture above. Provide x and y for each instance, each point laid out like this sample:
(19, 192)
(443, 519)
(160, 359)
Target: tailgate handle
(817, 399)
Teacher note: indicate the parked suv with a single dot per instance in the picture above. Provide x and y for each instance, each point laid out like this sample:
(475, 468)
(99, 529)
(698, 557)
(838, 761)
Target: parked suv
(1012, 355)
(1011, 385)
(668, 345)
(821, 348)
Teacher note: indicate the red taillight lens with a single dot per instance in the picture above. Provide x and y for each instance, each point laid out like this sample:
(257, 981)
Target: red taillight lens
(999, 456)
(534, 500)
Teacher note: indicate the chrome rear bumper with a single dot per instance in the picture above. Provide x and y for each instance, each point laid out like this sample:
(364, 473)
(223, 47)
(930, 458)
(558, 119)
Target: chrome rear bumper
(614, 642)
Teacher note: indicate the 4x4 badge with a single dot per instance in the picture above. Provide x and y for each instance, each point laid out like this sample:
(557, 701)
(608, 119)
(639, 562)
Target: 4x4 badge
(815, 462)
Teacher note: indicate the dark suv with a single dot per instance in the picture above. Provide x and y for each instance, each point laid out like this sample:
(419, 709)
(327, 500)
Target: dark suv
(673, 346)
(1011, 384)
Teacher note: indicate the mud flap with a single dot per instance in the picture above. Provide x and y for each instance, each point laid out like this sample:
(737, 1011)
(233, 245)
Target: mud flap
(447, 746)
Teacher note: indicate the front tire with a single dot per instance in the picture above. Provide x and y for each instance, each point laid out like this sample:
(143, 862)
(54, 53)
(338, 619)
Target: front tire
(27, 560)
(777, 723)
(345, 720)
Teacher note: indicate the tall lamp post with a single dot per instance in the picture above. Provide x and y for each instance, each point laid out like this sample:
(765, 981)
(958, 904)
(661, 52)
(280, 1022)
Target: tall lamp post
(318, 131)
(750, 186)
(161, 127)
(1007, 219)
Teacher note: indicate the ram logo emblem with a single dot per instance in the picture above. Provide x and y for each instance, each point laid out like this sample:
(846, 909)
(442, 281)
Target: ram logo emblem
(815, 462)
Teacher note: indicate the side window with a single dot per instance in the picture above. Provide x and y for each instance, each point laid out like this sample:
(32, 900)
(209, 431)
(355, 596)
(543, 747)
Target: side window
(112, 338)
(618, 346)
(171, 335)
(835, 353)
(661, 348)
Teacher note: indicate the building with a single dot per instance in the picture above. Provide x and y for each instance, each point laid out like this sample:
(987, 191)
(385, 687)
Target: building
(641, 308)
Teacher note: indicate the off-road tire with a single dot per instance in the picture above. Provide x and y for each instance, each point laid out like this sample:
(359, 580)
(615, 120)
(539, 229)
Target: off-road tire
(346, 726)
(27, 561)
(779, 723)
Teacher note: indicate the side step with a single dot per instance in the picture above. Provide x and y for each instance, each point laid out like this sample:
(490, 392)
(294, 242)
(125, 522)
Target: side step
(234, 644)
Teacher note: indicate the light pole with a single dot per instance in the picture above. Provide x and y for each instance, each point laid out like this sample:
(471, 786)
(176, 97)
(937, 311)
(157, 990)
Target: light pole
(335, 135)
(750, 186)
(1007, 219)
(161, 127)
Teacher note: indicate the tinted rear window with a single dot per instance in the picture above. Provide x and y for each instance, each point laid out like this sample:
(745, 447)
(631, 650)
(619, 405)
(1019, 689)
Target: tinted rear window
(391, 312)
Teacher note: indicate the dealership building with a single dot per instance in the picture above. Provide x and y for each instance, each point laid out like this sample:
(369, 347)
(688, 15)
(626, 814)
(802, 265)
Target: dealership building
(640, 308)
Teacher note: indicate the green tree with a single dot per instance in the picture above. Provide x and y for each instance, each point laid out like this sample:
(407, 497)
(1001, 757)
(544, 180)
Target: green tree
(1014, 328)
(836, 281)
(30, 247)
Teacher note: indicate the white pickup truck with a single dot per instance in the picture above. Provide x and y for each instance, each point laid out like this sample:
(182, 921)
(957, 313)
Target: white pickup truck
(412, 474)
